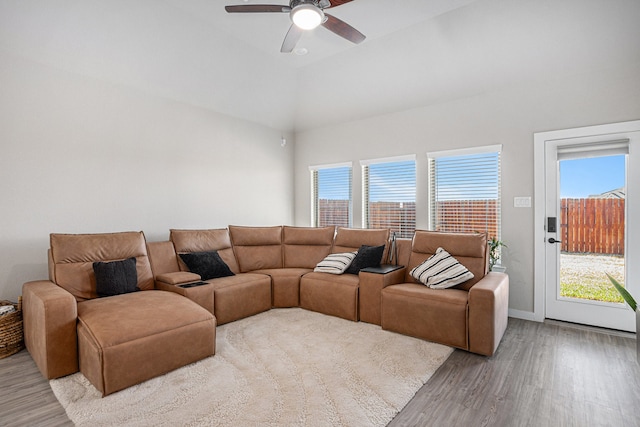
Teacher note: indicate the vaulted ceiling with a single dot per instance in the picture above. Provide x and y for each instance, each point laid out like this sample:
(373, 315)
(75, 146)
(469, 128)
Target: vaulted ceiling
(265, 32)
(417, 52)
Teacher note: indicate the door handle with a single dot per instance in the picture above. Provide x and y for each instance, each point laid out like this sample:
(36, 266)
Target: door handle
(552, 240)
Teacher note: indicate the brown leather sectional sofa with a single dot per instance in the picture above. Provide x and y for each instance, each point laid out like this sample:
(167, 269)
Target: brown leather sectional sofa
(125, 339)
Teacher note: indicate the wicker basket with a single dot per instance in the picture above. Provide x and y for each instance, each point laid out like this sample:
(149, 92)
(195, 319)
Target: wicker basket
(11, 333)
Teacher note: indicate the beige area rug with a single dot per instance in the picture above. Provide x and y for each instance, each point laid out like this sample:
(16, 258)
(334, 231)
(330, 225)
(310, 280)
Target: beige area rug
(284, 367)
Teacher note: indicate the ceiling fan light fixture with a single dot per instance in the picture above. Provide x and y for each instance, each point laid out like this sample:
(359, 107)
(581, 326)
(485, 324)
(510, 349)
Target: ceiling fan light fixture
(307, 16)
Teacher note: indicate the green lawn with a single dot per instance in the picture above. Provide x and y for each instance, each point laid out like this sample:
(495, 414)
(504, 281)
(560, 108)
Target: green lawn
(584, 276)
(594, 291)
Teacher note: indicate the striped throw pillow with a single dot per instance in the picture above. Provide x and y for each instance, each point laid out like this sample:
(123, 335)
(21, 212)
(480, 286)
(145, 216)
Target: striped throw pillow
(441, 271)
(335, 263)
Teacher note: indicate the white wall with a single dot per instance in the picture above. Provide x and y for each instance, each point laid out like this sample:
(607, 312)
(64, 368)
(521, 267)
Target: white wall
(479, 48)
(159, 47)
(81, 155)
(509, 116)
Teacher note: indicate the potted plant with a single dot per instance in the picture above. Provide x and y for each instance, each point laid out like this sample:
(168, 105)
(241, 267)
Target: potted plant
(632, 303)
(494, 255)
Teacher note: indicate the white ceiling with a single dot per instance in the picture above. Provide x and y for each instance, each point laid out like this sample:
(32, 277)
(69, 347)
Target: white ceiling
(266, 31)
(417, 52)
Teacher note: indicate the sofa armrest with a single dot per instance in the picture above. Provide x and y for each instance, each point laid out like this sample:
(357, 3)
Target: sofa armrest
(50, 316)
(177, 277)
(488, 313)
(370, 290)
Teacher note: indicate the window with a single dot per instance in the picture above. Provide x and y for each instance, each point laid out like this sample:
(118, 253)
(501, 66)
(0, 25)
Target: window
(331, 195)
(465, 190)
(389, 194)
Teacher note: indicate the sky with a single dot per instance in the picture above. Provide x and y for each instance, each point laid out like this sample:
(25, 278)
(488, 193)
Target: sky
(392, 181)
(581, 178)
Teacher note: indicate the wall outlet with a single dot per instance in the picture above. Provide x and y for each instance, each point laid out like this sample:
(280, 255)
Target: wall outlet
(522, 202)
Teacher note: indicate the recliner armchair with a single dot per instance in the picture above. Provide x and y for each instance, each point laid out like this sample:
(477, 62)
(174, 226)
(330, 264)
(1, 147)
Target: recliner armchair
(116, 341)
(472, 315)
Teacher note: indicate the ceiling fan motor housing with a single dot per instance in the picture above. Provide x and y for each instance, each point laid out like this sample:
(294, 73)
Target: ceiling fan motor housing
(306, 15)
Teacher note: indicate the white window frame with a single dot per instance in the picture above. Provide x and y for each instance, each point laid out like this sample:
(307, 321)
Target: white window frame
(314, 192)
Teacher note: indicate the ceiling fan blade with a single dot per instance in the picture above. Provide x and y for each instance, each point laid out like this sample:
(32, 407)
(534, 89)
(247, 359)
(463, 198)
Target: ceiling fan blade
(291, 39)
(343, 29)
(335, 3)
(257, 8)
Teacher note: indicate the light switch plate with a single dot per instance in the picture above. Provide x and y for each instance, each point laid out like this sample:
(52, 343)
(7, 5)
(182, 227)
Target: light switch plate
(522, 202)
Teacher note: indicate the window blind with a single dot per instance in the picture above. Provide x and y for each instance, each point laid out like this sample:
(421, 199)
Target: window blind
(331, 196)
(465, 192)
(389, 195)
(597, 149)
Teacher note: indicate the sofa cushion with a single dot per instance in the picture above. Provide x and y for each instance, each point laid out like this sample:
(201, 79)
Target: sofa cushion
(304, 247)
(335, 263)
(435, 315)
(207, 264)
(335, 295)
(350, 239)
(441, 271)
(257, 248)
(204, 240)
(470, 249)
(285, 285)
(114, 321)
(72, 257)
(127, 339)
(116, 277)
(240, 296)
(367, 256)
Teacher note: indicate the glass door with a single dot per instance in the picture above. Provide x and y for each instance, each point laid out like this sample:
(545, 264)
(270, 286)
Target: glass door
(586, 233)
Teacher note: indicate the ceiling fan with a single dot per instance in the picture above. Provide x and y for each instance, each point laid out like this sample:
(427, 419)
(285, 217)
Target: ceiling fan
(305, 15)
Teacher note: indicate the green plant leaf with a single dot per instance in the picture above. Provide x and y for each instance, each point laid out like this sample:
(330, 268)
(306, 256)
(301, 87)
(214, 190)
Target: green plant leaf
(625, 294)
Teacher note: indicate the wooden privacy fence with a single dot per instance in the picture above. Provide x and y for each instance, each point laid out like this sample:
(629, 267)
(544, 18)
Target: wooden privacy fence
(333, 212)
(592, 225)
(396, 216)
(399, 217)
(465, 216)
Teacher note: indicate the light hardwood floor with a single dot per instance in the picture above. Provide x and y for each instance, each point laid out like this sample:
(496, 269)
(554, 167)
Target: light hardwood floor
(543, 374)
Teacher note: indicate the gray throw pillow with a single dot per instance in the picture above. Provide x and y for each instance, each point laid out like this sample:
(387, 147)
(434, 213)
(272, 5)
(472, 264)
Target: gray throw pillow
(116, 277)
(368, 256)
(208, 264)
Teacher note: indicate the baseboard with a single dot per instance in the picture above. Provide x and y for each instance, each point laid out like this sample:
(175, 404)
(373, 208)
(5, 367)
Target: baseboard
(524, 315)
(614, 332)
